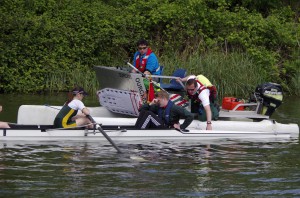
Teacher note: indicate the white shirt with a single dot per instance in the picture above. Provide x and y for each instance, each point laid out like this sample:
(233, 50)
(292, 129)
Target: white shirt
(204, 95)
(76, 104)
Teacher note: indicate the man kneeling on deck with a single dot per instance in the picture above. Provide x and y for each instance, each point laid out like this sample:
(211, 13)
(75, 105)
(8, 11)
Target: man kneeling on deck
(163, 113)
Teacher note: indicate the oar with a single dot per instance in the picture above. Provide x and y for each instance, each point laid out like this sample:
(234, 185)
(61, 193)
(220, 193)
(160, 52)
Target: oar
(103, 133)
(155, 76)
(133, 67)
(144, 75)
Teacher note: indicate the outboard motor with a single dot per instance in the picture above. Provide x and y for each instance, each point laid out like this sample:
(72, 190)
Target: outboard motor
(270, 96)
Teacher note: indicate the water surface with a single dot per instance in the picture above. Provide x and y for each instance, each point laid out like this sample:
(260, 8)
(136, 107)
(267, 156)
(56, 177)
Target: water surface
(225, 168)
(160, 169)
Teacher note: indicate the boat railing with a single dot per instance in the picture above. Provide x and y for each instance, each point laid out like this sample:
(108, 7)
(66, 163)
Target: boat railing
(252, 114)
(246, 105)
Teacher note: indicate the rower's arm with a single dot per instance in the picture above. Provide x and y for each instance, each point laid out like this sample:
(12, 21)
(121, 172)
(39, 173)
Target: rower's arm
(86, 111)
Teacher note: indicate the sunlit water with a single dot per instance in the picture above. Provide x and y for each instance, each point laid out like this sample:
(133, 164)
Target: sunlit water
(151, 169)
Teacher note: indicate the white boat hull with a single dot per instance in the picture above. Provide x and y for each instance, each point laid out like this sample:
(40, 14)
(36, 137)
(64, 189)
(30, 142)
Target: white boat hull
(138, 135)
(44, 115)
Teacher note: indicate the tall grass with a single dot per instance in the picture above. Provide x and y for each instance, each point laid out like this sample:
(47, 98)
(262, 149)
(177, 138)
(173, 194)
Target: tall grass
(295, 83)
(233, 74)
(64, 81)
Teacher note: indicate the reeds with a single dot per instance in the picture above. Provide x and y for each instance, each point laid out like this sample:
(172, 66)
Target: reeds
(233, 74)
(295, 84)
(65, 81)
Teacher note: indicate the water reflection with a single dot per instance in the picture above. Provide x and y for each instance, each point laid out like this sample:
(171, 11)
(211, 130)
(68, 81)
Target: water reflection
(168, 169)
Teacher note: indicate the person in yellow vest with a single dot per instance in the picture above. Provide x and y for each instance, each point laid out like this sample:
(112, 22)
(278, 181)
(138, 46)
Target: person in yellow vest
(203, 96)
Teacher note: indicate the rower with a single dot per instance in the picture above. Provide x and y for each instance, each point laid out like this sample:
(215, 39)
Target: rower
(67, 117)
(163, 113)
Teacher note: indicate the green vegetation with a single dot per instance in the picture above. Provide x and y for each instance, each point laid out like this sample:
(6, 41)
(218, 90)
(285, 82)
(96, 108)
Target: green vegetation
(51, 45)
(234, 74)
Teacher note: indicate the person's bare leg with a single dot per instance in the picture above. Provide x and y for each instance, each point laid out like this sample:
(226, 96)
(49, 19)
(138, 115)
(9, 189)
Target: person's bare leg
(4, 125)
(82, 121)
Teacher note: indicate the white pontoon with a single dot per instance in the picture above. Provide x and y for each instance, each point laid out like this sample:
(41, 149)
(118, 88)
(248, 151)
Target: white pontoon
(35, 123)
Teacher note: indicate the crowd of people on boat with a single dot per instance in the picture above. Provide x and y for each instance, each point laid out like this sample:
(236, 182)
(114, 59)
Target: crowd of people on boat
(198, 88)
(161, 112)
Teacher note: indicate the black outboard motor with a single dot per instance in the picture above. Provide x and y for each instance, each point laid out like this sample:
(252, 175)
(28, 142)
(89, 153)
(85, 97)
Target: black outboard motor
(270, 96)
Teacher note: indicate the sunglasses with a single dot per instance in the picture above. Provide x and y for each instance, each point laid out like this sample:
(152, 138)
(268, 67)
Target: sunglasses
(142, 48)
(82, 93)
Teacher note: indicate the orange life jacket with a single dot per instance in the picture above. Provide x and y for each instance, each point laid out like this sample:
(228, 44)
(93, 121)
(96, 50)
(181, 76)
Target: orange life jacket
(141, 66)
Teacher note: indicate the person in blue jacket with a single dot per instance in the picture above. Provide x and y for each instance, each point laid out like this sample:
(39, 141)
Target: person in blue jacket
(145, 60)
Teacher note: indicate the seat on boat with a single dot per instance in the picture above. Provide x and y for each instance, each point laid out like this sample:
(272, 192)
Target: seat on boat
(162, 70)
(174, 85)
(159, 80)
(161, 73)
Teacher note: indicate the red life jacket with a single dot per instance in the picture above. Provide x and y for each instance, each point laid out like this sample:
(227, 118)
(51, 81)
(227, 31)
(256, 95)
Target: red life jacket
(142, 67)
(212, 92)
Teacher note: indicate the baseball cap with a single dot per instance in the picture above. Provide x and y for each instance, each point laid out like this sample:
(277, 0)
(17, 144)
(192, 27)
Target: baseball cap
(79, 90)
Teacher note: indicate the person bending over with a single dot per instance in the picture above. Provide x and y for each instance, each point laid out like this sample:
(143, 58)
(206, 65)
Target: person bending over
(203, 97)
(163, 113)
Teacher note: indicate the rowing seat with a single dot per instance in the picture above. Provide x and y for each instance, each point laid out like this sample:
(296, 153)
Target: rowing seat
(174, 85)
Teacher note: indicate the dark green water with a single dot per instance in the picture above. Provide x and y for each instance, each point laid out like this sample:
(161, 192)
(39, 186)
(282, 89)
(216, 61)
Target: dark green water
(148, 169)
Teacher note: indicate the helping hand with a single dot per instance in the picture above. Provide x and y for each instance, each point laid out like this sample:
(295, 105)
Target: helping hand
(208, 127)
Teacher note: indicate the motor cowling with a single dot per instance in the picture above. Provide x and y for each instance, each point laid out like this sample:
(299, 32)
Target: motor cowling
(270, 96)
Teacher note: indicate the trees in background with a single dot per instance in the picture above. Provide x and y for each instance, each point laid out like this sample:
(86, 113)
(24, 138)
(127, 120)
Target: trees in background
(45, 43)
